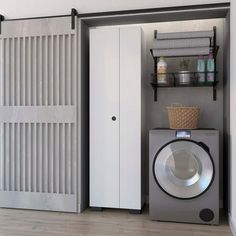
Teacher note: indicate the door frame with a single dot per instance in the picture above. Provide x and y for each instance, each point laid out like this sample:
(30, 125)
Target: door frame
(196, 12)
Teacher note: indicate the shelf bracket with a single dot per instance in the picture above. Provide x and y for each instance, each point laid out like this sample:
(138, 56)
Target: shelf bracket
(155, 34)
(214, 38)
(155, 93)
(214, 93)
(74, 14)
(1, 19)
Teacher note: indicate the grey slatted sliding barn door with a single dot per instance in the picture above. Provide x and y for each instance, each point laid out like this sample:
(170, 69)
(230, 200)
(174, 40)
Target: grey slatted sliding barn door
(38, 113)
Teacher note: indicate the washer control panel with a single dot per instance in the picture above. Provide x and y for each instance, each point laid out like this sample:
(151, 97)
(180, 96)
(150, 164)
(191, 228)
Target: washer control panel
(183, 134)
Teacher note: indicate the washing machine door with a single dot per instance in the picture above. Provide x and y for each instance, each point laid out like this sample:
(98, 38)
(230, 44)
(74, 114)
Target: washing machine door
(183, 169)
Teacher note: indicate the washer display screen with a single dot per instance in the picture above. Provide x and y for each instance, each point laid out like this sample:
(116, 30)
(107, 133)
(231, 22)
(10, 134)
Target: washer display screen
(183, 169)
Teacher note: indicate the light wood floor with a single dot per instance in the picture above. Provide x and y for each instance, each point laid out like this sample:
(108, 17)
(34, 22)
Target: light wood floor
(109, 222)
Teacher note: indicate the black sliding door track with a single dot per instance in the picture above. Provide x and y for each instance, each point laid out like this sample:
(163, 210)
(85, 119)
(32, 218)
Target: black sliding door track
(137, 11)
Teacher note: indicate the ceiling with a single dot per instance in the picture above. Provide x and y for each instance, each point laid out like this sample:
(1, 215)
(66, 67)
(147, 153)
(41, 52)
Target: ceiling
(12, 9)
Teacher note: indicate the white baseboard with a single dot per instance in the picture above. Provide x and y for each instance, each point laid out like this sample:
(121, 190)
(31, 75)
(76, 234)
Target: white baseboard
(232, 225)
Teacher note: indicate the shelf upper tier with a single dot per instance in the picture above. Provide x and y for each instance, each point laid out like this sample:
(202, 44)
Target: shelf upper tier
(180, 44)
(184, 52)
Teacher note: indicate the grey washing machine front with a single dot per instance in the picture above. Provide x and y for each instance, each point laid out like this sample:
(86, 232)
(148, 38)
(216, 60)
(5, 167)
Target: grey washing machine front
(184, 175)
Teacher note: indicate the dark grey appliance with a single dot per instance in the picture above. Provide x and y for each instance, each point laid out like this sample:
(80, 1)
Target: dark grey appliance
(184, 175)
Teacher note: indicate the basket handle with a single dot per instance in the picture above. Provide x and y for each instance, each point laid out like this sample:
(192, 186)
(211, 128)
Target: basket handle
(176, 104)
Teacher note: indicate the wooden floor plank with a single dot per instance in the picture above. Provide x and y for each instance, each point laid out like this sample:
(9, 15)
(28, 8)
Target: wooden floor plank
(106, 223)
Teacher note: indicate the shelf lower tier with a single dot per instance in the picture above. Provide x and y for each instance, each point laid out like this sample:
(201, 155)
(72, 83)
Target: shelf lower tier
(191, 79)
(184, 79)
(206, 84)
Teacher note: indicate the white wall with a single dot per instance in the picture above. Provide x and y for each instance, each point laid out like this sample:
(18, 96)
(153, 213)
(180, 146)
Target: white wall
(233, 110)
(30, 8)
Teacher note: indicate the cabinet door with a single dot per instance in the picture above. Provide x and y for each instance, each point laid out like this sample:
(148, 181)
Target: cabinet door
(130, 118)
(104, 104)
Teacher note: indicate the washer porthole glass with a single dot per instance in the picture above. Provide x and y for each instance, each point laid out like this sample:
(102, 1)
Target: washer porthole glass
(183, 169)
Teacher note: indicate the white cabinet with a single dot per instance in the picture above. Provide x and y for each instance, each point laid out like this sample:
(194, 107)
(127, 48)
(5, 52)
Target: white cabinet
(115, 117)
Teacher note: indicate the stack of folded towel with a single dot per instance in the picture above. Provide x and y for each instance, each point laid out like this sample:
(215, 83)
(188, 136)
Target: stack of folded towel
(182, 43)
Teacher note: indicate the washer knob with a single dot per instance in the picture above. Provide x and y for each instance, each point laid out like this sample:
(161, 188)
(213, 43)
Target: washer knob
(206, 215)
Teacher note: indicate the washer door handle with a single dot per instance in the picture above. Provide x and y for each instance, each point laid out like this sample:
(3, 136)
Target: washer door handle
(204, 146)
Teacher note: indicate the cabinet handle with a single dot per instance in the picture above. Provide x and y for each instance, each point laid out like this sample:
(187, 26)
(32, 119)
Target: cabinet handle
(113, 118)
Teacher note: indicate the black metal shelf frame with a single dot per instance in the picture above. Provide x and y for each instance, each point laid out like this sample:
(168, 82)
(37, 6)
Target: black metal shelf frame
(194, 82)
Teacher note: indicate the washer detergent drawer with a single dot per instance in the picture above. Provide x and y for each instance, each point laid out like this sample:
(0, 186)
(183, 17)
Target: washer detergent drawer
(183, 169)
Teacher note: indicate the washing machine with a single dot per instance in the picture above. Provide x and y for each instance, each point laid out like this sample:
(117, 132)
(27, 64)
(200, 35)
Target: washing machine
(184, 175)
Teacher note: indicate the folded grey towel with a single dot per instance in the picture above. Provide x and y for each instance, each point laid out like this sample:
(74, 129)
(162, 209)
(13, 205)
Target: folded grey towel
(185, 35)
(181, 43)
(181, 52)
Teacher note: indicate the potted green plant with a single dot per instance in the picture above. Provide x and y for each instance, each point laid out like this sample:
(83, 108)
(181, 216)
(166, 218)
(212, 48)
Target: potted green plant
(184, 73)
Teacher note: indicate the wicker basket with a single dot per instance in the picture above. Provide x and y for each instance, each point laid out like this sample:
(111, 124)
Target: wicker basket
(183, 117)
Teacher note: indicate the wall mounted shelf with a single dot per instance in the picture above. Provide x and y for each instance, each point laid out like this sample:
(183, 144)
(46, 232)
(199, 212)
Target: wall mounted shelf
(172, 78)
